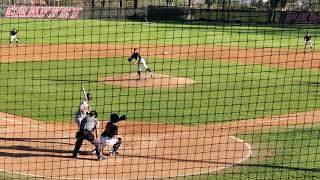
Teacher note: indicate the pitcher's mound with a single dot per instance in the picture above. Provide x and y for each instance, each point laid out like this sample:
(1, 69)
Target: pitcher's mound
(158, 80)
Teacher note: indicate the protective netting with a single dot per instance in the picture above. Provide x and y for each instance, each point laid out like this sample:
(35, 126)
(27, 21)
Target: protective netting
(159, 89)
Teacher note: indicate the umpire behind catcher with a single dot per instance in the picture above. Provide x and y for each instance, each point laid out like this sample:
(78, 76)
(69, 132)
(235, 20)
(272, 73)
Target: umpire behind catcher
(88, 125)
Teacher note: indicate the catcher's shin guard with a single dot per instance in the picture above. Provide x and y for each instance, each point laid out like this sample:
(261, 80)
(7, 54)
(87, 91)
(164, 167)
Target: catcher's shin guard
(115, 147)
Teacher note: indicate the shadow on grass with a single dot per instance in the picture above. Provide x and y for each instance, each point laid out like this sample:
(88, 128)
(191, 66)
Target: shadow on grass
(310, 83)
(225, 164)
(279, 167)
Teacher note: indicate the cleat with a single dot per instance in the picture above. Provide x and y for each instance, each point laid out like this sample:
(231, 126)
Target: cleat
(75, 156)
(93, 151)
(101, 158)
(112, 153)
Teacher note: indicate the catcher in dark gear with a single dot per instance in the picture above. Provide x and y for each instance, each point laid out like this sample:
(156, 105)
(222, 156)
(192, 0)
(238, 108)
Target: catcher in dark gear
(109, 135)
(88, 125)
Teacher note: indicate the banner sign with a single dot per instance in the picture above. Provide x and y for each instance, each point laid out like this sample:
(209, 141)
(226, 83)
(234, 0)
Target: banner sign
(303, 17)
(43, 12)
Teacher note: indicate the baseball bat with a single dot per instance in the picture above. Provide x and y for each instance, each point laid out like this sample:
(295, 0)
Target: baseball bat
(86, 98)
(89, 107)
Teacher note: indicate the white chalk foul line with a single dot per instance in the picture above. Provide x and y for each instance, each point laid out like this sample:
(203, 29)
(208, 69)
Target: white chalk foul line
(12, 120)
(249, 147)
(17, 122)
(262, 122)
(270, 121)
(21, 123)
(246, 157)
(27, 174)
(239, 161)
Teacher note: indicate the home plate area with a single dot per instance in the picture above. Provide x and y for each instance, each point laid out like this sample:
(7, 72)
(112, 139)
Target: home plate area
(37, 149)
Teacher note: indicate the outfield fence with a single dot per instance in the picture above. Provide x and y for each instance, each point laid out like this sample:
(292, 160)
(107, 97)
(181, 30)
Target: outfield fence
(158, 13)
(207, 94)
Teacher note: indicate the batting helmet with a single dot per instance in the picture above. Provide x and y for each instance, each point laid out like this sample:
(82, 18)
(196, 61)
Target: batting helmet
(89, 96)
(94, 113)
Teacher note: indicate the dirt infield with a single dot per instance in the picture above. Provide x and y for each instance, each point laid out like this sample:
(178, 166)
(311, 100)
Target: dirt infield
(158, 80)
(268, 56)
(37, 149)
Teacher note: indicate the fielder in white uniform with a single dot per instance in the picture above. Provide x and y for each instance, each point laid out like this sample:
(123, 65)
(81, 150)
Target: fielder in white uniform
(13, 37)
(308, 42)
(83, 109)
(140, 61)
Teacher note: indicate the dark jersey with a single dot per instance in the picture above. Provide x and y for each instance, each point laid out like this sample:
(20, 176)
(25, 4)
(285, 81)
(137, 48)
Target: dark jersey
(307, 38)
(13, 33)
(136, 56)
(110, 131)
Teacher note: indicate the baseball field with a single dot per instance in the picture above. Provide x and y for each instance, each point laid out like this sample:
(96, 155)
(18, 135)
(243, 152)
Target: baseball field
(228, 101)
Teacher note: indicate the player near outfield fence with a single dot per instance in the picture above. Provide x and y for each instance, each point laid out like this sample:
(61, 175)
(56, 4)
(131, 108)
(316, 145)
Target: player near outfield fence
(140, 61)
(308, 42)
(13, 36)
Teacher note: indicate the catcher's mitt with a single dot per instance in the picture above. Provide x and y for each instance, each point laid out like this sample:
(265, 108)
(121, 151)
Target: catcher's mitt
(123, 117)
(114, 118)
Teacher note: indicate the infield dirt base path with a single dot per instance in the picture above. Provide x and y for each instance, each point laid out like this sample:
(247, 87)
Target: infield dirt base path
(34, 148)
(268, 56)
(37, 149)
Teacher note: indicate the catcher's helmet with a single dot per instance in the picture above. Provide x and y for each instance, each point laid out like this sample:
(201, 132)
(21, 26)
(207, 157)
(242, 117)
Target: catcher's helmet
(114, 118)
(89, 96)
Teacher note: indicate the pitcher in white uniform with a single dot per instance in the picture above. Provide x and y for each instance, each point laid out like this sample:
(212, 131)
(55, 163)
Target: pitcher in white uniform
(140, 61)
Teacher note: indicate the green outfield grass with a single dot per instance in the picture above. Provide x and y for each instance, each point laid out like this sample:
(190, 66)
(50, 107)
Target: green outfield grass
(224, 91)
(12, 176)
(280, 153)
(128, 32)
(292, 154)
